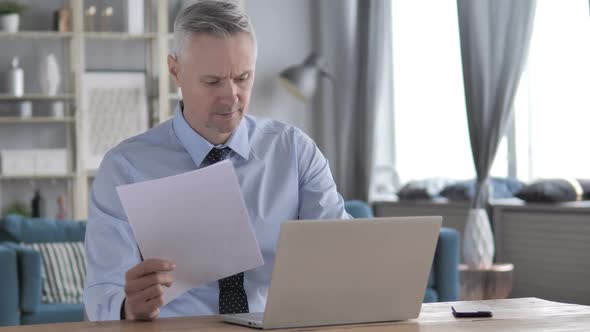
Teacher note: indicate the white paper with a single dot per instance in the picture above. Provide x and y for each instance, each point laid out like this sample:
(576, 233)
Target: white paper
(196, 219)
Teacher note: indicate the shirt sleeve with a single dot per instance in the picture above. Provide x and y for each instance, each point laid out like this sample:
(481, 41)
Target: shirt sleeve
(318, 196)
(111, 248)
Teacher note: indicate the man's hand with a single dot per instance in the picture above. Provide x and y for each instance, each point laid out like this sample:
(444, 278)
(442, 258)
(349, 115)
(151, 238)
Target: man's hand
(144, 288)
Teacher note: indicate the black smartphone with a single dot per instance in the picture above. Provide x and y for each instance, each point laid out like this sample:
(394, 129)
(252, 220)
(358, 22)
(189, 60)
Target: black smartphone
(462, 310)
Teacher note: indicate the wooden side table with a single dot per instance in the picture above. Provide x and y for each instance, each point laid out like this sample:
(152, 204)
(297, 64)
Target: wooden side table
(486, 284)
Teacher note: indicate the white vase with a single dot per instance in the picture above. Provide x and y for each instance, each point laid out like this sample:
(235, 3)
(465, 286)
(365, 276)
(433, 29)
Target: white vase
(9, 23)
(135, 17)
(49, 75)
(57, 109)
(478, 240)
(25, 109)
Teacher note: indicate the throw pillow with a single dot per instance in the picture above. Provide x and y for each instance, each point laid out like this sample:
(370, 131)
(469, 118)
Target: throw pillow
(63, 271)
(465, 190)
(423, 189)
(555, 191)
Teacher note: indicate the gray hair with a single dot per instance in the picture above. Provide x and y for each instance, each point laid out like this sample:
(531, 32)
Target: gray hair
(219, 18)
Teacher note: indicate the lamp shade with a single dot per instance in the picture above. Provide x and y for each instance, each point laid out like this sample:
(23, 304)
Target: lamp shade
(302, 79)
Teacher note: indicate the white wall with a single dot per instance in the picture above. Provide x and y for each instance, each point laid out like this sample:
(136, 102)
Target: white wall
(285, 37)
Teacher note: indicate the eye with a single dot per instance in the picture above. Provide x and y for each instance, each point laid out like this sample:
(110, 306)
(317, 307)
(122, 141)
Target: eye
(243, 78)
(212, 82)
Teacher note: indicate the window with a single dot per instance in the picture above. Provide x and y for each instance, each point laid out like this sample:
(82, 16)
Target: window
(552, 107)
(431, 134)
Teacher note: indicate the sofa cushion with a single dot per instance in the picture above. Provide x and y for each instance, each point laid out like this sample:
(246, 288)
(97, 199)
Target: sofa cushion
(55, 313)
(35, 230)
(63, 270)
(555, 190)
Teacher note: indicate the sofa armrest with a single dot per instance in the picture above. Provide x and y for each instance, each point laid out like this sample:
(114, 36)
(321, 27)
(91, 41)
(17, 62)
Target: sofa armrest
(29, 267)
(29, 276)
(9, 301)
(446, 265)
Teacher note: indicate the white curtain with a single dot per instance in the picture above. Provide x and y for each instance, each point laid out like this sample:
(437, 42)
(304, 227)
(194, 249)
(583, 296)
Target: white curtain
(495, 36)
(354, 37)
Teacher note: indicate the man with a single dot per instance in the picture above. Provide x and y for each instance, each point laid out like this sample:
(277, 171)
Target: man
(282, 174)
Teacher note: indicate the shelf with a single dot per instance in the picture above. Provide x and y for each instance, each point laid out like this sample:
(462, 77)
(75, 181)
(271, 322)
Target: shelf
(35, 96)
(119, 36)
(36, 35)
(63, 35)
(77, 46)
(38, 177)
(40, 119)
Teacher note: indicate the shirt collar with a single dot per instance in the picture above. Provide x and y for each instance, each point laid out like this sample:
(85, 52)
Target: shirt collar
(198, 147)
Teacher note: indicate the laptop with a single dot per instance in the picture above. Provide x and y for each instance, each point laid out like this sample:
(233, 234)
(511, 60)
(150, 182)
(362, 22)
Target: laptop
(330, 272)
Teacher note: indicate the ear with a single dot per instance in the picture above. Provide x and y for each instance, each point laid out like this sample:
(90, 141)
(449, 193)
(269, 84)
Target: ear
(173, 68)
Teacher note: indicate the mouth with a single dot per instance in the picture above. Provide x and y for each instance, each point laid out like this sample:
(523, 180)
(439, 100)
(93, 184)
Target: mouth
(227, 114)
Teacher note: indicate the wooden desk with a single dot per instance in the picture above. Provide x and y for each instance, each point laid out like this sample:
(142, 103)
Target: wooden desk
(525, 314)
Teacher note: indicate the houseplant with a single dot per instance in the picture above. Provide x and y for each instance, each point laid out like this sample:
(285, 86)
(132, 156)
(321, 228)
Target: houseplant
(16, 208)
(10, 15)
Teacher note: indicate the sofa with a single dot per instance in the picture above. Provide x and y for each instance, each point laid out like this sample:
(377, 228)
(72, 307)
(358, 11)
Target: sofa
(20, 303)
(443, 283)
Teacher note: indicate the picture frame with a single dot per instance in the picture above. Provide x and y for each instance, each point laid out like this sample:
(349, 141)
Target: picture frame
(114, 109)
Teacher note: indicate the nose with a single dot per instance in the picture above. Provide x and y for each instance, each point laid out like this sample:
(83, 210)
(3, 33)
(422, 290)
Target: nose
(230, 93)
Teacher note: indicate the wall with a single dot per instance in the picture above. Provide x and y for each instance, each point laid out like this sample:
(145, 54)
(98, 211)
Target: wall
(284, 32)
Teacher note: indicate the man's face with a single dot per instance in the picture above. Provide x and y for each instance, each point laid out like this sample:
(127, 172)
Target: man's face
(216, 76)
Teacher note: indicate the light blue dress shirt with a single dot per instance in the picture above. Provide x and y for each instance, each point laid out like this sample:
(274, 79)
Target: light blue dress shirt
(282, 174)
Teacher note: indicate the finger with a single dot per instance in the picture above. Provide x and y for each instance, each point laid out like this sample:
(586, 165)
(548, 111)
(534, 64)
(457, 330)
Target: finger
(149, 266)
(155, 303)
(149, 315)
(149, 293)
(154, 314)
(137, 285)
(150, 309)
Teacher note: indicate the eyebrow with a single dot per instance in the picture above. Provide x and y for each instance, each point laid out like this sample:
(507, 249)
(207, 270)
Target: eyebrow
(247, 72)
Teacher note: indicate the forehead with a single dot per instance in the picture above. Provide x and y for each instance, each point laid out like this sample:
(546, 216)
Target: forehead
(217, 53)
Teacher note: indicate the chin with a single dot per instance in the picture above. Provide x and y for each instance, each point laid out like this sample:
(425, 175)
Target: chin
(230, 126)
(226, 130)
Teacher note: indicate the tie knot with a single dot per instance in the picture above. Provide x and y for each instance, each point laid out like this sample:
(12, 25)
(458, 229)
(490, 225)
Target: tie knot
(217, 155)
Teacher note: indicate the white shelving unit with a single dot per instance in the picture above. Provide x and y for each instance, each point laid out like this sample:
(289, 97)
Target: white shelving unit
(68, 176)
(120, 36)
(36, 35)
(35, 96)
(37, 119)
(158, 38)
